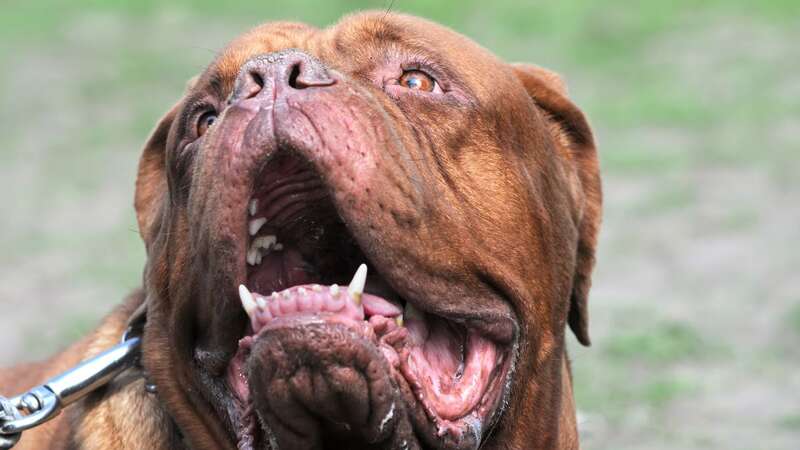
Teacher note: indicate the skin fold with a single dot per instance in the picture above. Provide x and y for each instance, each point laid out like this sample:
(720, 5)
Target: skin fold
(480, 202)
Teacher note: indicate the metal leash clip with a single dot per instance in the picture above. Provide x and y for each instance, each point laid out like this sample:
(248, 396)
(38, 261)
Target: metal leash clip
(46, 401)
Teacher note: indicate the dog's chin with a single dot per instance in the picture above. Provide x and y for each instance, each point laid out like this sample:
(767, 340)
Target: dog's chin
(333, 356)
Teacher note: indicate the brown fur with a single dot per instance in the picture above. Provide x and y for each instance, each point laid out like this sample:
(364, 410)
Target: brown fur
(546, 266)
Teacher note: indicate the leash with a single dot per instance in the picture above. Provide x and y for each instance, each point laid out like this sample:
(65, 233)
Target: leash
(43, 403)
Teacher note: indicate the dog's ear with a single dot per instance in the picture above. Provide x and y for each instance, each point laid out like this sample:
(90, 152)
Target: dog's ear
(573, 136)
(151, 179)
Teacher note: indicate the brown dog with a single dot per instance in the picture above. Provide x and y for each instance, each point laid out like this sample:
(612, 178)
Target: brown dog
(467, 185)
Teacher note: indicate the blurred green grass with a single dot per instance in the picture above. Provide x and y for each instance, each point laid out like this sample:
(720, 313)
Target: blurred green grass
(696, 107)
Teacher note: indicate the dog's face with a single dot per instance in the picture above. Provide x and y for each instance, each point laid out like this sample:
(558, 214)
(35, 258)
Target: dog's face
(467, 186)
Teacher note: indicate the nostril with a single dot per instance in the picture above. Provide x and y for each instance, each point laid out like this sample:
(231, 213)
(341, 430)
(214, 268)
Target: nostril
(257, 79)
(304, 75)
(248, 86)
(290, 68)
(294, 75)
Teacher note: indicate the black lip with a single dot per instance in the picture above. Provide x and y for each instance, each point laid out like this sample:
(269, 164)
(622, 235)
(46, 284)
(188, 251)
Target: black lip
(222, 400)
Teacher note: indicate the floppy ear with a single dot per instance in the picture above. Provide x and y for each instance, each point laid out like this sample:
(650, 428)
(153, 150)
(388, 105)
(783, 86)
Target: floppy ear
(151, 179)
(575, 142)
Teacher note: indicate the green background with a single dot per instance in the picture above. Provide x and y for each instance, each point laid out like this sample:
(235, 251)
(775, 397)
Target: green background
(695, 311)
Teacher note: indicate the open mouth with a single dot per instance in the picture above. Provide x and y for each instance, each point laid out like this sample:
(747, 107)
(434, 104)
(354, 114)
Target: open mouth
(304, 266)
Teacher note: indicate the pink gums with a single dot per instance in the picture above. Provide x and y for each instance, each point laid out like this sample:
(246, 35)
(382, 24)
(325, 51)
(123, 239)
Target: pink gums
(449, 372)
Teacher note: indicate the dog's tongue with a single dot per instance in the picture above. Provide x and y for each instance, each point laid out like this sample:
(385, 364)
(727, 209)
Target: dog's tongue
(349, 303)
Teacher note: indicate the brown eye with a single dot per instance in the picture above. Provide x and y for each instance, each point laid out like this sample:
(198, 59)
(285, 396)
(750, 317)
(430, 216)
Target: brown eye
(417, 80)
(205, 122)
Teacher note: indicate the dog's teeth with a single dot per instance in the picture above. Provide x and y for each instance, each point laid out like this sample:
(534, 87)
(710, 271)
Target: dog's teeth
(265, 242)
(334, 290)
(256, 225)
(278, 247)
(252, 256)
(261, 302)
(356, 287)
(248, 303)
(316, 288)
(399, 320)
(302, 291)
(253, 207)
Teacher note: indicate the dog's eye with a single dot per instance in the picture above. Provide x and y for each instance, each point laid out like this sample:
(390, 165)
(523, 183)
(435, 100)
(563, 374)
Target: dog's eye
(417, 80)
(205, 121)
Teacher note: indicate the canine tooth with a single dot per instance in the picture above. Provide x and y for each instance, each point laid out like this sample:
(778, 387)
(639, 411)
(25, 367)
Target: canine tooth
(334, 290)
(253, 207)
(399, 320)
(356, 287)
(259, 257)
(248, 303)
(256, 225)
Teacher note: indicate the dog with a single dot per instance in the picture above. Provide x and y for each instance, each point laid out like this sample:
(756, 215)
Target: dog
(372, 235)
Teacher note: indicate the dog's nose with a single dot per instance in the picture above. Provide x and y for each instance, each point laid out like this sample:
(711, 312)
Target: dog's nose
(291, 68)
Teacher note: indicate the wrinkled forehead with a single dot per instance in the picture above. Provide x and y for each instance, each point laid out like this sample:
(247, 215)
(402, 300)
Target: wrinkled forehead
(359, 43)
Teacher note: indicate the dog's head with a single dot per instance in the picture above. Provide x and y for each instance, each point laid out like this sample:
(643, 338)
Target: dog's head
(468, 187)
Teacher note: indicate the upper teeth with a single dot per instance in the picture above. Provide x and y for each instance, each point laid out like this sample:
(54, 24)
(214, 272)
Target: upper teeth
(356, 287)
(253, 256)
(265, 243)
(256, 225)
(253, 207)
